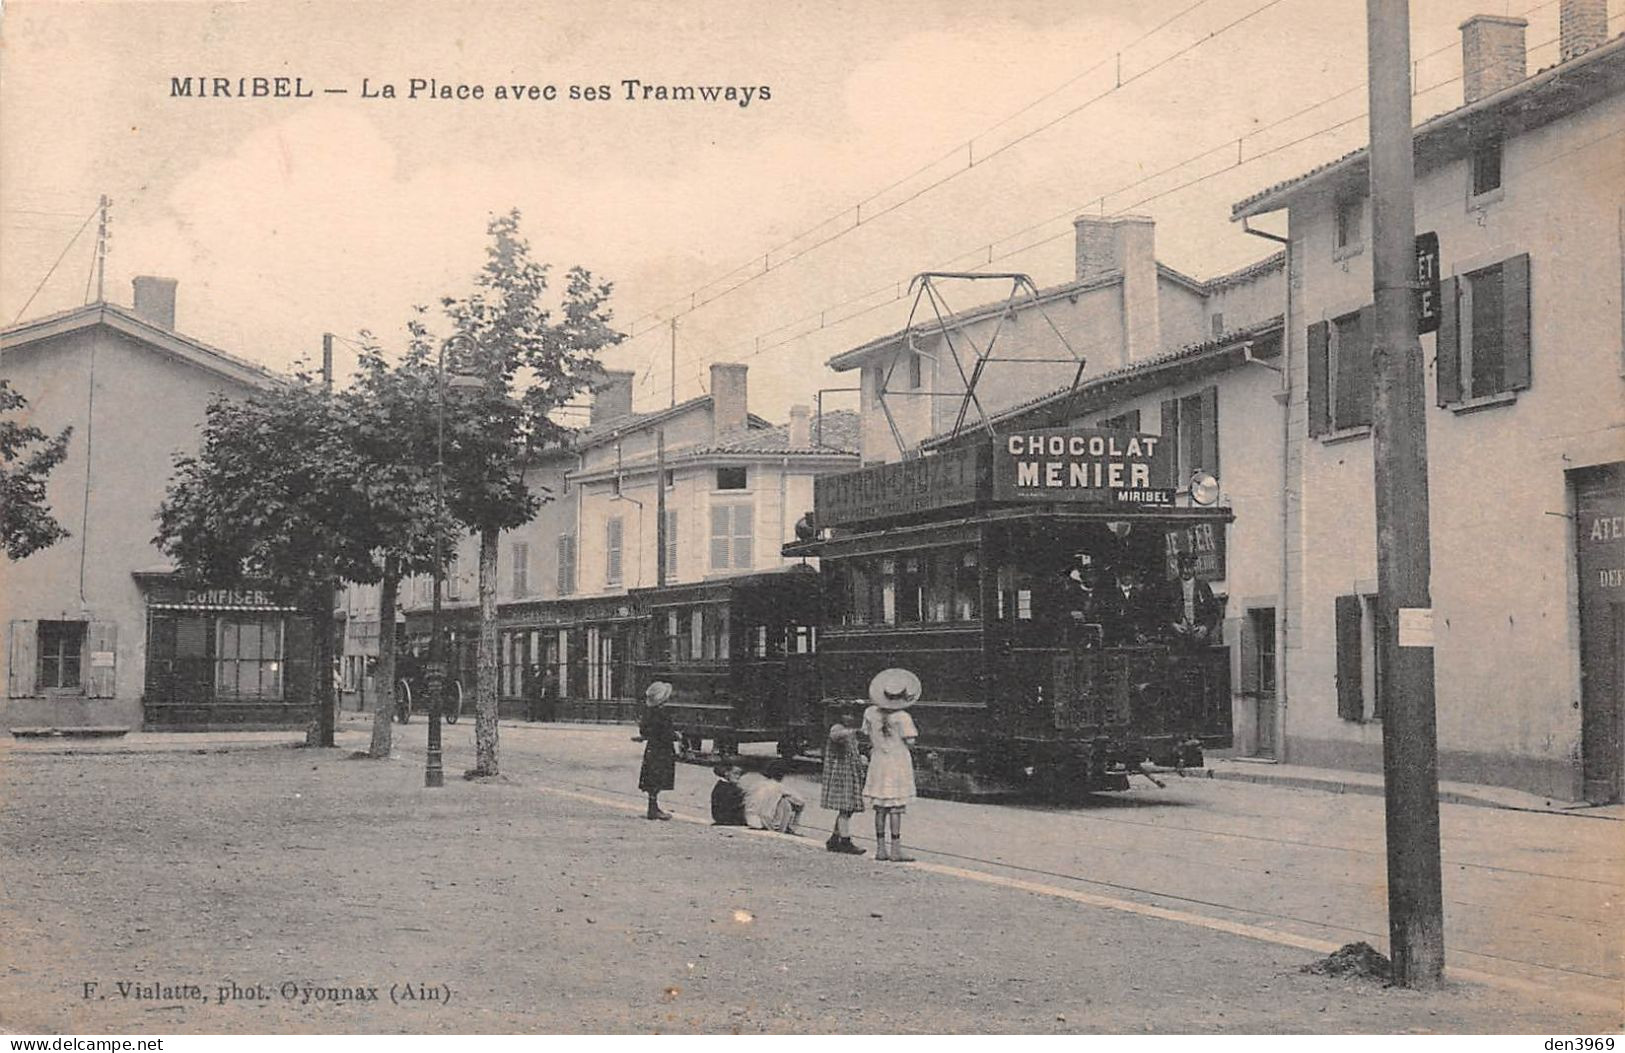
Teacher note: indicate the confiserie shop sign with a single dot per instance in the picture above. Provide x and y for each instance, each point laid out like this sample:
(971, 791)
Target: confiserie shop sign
(1081, 464)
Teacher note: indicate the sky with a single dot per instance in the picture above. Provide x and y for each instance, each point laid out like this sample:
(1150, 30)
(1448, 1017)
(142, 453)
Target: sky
(965, 135)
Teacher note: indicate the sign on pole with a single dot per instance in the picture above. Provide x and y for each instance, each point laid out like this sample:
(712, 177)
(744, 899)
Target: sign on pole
(1427, 283)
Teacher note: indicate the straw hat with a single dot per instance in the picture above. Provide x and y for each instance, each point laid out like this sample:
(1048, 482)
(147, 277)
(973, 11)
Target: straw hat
(658, 693)
(894, 689)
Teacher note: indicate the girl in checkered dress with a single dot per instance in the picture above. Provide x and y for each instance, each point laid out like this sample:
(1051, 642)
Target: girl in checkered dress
(843, 781)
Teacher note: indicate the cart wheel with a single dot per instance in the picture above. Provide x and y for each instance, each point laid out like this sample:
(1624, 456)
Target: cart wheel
(403, 702)
(455, 710)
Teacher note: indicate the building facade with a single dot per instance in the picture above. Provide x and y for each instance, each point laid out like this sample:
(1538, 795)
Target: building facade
(100, 632)
(1525, 431)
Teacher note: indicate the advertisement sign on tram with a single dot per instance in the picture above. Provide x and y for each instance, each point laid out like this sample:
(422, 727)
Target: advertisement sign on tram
(1092, 465)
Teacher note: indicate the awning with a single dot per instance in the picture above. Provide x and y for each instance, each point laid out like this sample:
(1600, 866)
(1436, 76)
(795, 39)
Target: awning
(262, 608)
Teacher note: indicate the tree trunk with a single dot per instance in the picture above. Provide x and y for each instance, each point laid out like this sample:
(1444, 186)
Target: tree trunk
(320, 732)
(384, 673)
(485, 692)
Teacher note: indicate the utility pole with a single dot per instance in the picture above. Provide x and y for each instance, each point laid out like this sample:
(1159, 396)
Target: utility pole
(674, 360)
(101, 250)
(327, 362)
(1410, 756)
(662, 572)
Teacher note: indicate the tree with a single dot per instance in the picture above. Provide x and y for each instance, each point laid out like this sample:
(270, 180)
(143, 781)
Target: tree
(391, 410)
(274, 496)
(25, 520)
(531, 365)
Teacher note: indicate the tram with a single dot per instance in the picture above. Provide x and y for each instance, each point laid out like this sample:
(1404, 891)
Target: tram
(739, 653)
(1049, 596)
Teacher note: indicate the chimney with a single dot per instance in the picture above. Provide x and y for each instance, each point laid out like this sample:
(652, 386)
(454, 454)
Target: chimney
(800, 427)
(155, 300)
(1125, 245)
(727, 398)
(1492, 55)
(612, 395)
(1582, 25)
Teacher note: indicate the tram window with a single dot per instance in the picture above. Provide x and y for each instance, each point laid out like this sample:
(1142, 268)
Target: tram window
(888, 592)
(758, 643)
(967, 588)
(911, 590)
(802, 639)
(1015, 595)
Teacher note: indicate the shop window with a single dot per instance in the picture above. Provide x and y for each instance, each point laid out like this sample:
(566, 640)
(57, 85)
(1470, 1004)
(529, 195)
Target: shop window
(521, 568)
(1483, 339)
(248, 658)
(567, 564)
(1190, 431)
(1486, 167)
(1340, 373)
(1361, 633)
(733, 478)
(732, 536)
(614, 534)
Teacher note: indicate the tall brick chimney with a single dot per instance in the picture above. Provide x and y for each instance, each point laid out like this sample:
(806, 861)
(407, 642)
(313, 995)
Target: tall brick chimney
(612, 395)
(800, 427)
(1492, 55)
(155, 300)
(1582, 25)
(728, 405)
(1125, 245)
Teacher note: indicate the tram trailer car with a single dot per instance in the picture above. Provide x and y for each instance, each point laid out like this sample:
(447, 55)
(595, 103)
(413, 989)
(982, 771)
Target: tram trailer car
(1037, 668)
(738, 653)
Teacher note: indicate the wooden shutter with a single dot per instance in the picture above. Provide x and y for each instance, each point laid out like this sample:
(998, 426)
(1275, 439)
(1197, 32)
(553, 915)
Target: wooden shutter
(1170, 442)
(613, 536)
(1515, 322)
(1248, 681)
(24, 658)
(567, 564)
(721, 540)
(1447, 344)
(1350, 690)
(1353, 387)
(101, 681)
(1210, 431)
(744, 537)
(1320, 342)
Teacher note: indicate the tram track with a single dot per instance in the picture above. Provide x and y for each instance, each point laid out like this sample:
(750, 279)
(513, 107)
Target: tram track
(632, 802)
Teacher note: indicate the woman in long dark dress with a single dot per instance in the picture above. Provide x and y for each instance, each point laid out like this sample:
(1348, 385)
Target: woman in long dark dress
(659, 770)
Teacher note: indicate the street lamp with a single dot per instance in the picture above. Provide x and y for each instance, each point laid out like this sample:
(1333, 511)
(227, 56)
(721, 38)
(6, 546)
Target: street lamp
(433, 771)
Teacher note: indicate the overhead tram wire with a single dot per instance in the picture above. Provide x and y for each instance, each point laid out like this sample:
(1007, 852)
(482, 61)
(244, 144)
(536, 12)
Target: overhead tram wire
(984, 255)
(751, 270)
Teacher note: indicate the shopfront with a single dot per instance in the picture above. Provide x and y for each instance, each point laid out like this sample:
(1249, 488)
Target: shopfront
(237, 658)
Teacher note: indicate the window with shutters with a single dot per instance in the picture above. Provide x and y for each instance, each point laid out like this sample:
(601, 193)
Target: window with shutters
(671, 544)
(1340, 373)
(614, 533)
(61, 656)
(732, 536)
(567, 564)
(1361, 634)
(521, 568)
(1190, 432)
(1348, 227)
(1483, 338)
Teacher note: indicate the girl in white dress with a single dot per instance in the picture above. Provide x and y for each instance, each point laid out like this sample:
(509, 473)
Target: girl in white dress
(889, 785)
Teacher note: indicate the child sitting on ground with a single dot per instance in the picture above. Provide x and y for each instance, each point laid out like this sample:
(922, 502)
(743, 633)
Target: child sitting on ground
(768, 805)
(727, 799)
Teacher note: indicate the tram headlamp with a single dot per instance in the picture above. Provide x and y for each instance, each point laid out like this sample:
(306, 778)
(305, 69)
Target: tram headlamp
(1204, 489)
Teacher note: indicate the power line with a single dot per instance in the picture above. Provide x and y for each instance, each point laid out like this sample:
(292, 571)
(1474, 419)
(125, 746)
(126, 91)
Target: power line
(58, 263)
(751, 271)
(822, 316)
